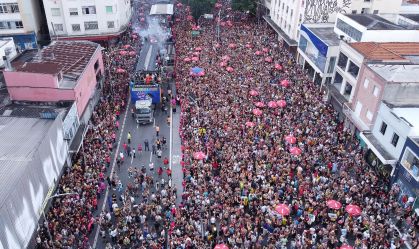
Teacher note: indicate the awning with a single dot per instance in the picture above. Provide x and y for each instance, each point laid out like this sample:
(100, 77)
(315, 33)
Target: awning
(374, 145)
(287, 39)
(161, 9)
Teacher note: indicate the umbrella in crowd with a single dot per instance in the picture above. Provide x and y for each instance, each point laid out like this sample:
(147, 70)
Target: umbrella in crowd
(353, 210)
(120, 70)
(283, 209)
(196, 53)
(250, 124)
(272, 104)
(278, 66)
(127, 46)
(142, 19)
(295, 151)
(187, 59)
(285, 83)
(123, 52)
(334, 204)
(248, 45)
(259, 104)
(217, 45)
(195, 59)
(281, 103)
(265, 50)
(199, 155)
(258, 53)
(132, 53)
(223, 64)
(189, 18)
(232, 45)
(198, 49)
(225, 58)
(257, 112)
(290, 139)
(218, 5)
(197, 71)
(268, 59)
(221, 246)
(229, 69)
(345, 246)
(254, 93)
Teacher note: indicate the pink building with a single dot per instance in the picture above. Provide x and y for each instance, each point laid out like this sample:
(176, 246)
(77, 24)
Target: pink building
(65, 70)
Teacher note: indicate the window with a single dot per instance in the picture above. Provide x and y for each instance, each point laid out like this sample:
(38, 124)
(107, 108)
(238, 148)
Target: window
(19, 24)
(74, 12)
(111, 24)
(353, 11)
(90, 25)
(331, 64)
(9, 8)
(365, 10)
(383, 128)
(395, 139)
(96, 66)
(109, 9)
(366, 82)
(411, 162)
(75, 27)
(349, 30)
(376, 91)
(369, 115)
(343, 59)
(89, 10)
(375, 12)
(338, 78)
(348, 89)
(3, 8)
(55, 12)
(353, 69)
(58, 27)
(14, 8)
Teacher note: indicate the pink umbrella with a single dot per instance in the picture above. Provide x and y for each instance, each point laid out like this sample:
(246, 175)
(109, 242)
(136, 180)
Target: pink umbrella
(123, 52)
(132, 53)
(285, 83)
(225, 58)
(223, 24)
(196, 53)
(217, 45)
(248, 45)
(272, 104)
(281, 103)
(229, 69)
(265, 50)
(199, 155)
(333, 204)
(230, 23)
(189, 18)
(195, 59)
(142, 19)
(218, 5)
(127, 46)
(345, 246)
(278, 66)
(250, 124)
(258, 53)
(268, 59)
(283, 209)
(254, 93)
(257, 112)
(290, 139)
(198, 49)
(223, 64)
(221, 246)
(353, 210)
(232, 45)
(120, 70)
(179, 5)
(187, 59)
(295, 151)
(259, 104)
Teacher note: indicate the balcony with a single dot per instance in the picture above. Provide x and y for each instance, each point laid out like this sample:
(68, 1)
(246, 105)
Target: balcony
(356, 120)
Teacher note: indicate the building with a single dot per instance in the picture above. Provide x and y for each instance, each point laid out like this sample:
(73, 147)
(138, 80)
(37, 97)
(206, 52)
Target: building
(394, 124)
(355, 84)
(22, 20)
(8, 49)
(87, 20)
(33, 153)
(63, 71)
(286, 16)
(317, 51)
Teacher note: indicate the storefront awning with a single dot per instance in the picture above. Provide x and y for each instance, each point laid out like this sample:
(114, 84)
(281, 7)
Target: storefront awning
(374, 145)
(280, 32)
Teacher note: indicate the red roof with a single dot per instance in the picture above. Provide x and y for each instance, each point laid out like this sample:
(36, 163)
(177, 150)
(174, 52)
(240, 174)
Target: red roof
(387, 51)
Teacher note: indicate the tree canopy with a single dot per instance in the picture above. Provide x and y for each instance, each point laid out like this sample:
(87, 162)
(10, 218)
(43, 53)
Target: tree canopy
(244, 5)
(200, 7)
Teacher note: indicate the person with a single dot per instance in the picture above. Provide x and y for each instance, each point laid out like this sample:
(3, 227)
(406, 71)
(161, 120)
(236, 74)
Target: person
(159, 153)
(165, 162)
(146, 148)
(133, 112)
(129, 137)
(157, 130)
(133, 153)
(151, 166)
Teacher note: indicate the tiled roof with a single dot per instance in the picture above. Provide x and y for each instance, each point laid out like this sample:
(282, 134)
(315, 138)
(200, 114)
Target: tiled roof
(387, 51)
(70, 57)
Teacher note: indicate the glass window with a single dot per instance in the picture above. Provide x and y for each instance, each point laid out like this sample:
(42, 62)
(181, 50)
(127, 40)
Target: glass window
(58, 27)
(411, 162)
(349, 30)
(14, 8)
(19, 24)
(338, 78)
(109, 9)
(74, 12)
(111, 24)
(383, 128)
(331, 64)
(3, 8)
(348, 89)
(369, 115)
(376, 91)
(75, 27)
(353, 69)
(366, 82)
(89, 10)
(395, 139)
(90, 25)
(343, 59)
(55, 12)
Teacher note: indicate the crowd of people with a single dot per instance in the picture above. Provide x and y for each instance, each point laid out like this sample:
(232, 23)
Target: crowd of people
(231, 194)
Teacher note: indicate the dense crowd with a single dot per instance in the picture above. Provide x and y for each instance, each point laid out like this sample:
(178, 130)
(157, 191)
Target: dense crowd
(230, 196)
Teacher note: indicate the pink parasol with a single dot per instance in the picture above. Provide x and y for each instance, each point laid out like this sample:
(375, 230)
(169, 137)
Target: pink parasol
(123, 52)
(217, 45)
(333, 204)
(260, 104)
(120, 70)
(127, 46)
(225, 58)
(248, 45)
(223, 24)
(283, 209)
(250, 124)
(132, 53)
(265, 50)
(272, 104)
(195, 59)
(254, 93)
(295, 151)
(221, 246)
(198, 49)
(278, 67)
(230, 23)
(179, 5)
(229, 69)
(257, 112)
(196, 53)
(290, 139)
(189, 18)
(268, 59)
(232, 45)
(258, 53)
(345, 246)
(285, 83)
(223, 64)
(281, 103)
(353, 210)
(187, 59)
(218, 5)
(199, 155)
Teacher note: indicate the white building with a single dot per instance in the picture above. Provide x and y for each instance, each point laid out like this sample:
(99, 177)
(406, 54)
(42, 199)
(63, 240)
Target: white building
(8, 49)
(21, 19)
(393, 125)
(87, 19)
(286, 16)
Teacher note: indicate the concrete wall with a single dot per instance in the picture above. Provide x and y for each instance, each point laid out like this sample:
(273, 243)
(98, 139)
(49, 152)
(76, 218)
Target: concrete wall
(40, 94)
(22, 79)
(277, 12)
(402, 92)
(383, 6)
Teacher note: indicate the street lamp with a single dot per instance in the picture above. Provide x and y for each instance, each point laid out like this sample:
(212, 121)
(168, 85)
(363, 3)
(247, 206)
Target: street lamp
(45, 217)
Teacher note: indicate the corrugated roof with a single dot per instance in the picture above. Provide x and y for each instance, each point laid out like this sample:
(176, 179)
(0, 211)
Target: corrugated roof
(397, 73)
(387, 51)
(20, 138)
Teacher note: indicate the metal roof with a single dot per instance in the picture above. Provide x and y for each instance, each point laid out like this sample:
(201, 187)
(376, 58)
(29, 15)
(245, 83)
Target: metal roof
(161, 9)
(20, 139)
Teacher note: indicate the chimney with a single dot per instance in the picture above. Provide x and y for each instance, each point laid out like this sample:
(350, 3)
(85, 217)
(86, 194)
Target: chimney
(7, 64)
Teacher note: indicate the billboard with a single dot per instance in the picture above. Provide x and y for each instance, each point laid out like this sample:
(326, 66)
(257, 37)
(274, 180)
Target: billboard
(139, 92)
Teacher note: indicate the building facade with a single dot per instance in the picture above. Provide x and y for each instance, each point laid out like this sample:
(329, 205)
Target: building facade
(22, 20)
(90, 20)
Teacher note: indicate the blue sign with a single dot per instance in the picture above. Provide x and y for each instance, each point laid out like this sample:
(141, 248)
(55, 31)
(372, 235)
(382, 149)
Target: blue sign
(140, 92)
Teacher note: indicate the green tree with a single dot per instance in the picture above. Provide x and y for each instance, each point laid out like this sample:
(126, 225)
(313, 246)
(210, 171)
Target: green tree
(200, 7)
(245, 5)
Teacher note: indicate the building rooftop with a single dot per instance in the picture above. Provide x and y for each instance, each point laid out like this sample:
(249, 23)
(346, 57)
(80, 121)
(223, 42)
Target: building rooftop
(410, 115)
(388, 51)
(413, 17)
(374, 22)
(397, 73)
(35, 110)
(68, 57)
(326, 34)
